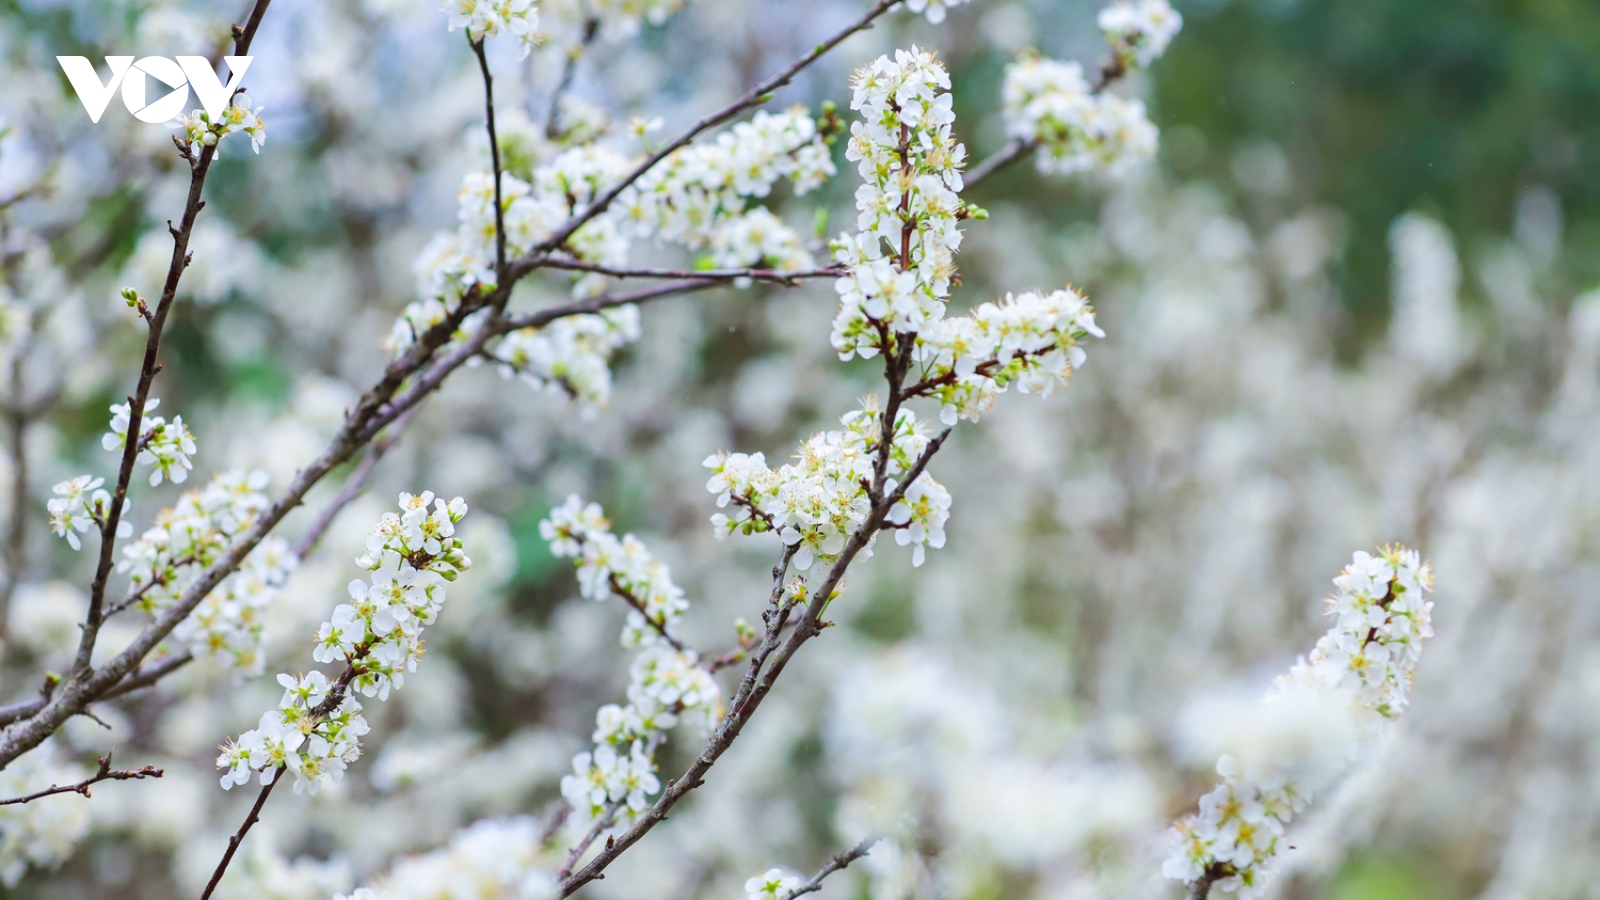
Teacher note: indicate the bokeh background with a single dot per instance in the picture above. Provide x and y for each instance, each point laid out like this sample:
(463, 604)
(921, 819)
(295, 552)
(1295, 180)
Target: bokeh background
(1349, 303)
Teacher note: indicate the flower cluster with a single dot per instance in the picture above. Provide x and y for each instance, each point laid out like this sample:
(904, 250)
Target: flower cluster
(489, 18)
(491, 858)
(79, 503)
(1366, 661)
(315, 732)
(696, 197)
(666, 680)
(40, 835)
(184, 541)
(901, 262)
(165, 445)
(1139, 30)
(197, 131)
(571, 355)
(819, 501)
(1049, 103)
(1032, 340)
(773, 884)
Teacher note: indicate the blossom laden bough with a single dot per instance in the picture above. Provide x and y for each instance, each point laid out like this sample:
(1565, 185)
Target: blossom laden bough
(316, 730)
(1363, 669)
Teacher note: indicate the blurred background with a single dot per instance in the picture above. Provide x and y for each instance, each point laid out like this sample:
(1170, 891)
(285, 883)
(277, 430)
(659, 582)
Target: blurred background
(1350, 302)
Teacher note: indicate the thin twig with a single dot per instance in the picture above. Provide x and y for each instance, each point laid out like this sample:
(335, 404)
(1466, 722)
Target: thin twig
(237, 837)
(755, 274)
(106, 773)
(494, 155)
(658, 625)
(352, 488)
(552, 119)
(838, 862)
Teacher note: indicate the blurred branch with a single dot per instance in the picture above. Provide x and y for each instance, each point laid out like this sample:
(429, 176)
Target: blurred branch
(352, 488)
(837, 863)
(552, 120)
(1016, 148)
(104, 774)
(773, 275)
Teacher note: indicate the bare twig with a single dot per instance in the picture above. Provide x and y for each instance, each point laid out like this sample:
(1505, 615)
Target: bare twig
(106, 773)
(237, 837)
(755, 274)
(552, 119)
(494, 155)
(838, 862)
(199, 167)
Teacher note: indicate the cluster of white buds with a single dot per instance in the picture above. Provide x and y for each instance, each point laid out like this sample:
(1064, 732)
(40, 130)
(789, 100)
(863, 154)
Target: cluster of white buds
(902, 261)
(185, 539)
(1049, 103)
(315, 731)
(615, 781)
(1139, 30)
(773, 884)
(1032, 340)
(491, 858)
(1077, 128)
(572, 355)
(491, 18)
(198, 131)
(38, 835)
(79, 503)
(818, 502)
(1364, 665)
(165, 445)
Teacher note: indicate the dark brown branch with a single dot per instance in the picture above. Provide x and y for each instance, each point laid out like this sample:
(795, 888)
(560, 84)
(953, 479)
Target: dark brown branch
(837, 863)
(352, 488)
(755, 274)
(237, 837)
(543, 317)
(552, 119)
(106, 773)
(494, 155)
(200, 167)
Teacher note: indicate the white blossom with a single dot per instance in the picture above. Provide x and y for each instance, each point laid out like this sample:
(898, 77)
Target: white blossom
(1139, 30)
(315, 732)
(1367, 660)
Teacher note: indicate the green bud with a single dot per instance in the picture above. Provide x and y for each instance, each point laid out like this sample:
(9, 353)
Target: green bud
(130, 295)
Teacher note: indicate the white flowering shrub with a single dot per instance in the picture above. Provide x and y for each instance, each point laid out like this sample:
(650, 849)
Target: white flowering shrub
(627, 205)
